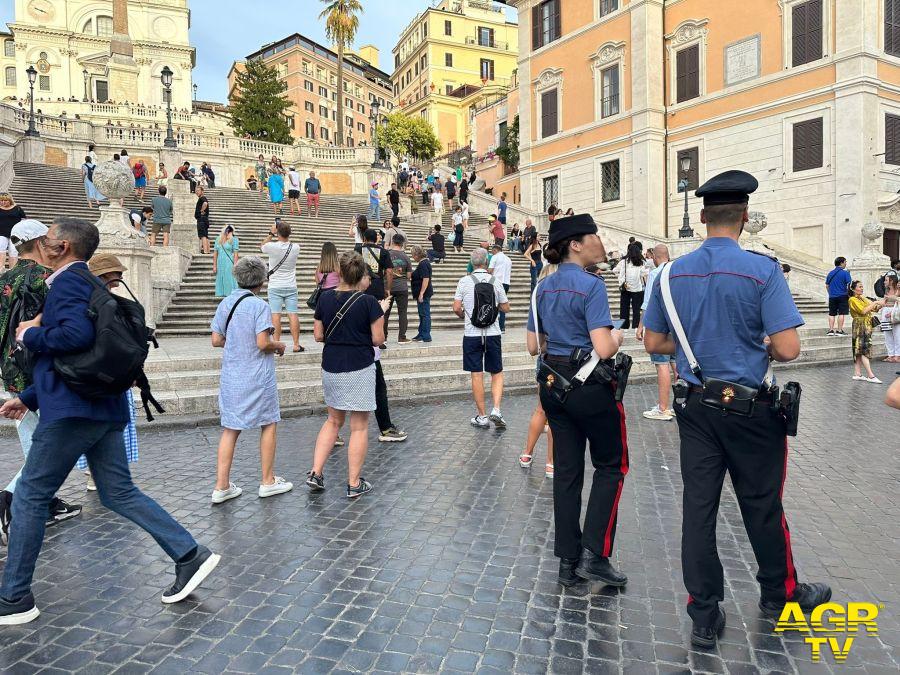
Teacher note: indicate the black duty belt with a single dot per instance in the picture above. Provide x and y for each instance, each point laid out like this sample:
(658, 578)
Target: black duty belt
(763, 397)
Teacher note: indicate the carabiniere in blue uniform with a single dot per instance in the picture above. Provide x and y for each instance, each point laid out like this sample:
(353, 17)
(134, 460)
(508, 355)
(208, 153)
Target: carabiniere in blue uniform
(568, 306)
(730, 415)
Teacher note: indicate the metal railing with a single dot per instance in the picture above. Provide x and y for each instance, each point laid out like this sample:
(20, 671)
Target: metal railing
(490, 44)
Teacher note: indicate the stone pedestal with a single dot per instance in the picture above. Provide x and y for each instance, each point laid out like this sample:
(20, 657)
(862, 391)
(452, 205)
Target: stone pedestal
(30, 149)
(756, 224)
(123, 78)
(871, 263)
(169, 265)
(184, 227)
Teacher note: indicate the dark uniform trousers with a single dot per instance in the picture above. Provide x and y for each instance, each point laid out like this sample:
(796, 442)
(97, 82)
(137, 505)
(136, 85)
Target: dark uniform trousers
(754, 452)
(590, 414)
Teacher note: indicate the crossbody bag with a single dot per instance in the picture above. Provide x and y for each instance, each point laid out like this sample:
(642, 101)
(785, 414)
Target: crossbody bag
(280, 262)
(233, 309)
(342, 312)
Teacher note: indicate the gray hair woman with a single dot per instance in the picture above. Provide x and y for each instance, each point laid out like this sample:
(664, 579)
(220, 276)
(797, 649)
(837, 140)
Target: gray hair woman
(248, 391)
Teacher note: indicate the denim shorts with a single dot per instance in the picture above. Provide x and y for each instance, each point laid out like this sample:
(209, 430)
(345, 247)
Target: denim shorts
(482, 354)
(662, 359)
(283, 300)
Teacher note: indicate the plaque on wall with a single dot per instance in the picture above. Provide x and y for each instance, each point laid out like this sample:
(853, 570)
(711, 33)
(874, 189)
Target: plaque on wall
(742, 61)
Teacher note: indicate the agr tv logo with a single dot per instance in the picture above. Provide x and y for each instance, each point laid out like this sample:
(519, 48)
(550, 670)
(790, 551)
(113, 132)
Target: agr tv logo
(830, 625)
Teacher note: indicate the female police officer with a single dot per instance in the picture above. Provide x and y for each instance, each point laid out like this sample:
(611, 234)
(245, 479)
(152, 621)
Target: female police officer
(571, 320)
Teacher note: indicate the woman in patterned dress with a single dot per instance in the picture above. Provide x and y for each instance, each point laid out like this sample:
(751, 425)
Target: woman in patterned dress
(862, 310)
(248, 390)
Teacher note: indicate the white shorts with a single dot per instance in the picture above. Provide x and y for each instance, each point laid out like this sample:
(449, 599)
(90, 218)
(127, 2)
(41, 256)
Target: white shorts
(6, 246)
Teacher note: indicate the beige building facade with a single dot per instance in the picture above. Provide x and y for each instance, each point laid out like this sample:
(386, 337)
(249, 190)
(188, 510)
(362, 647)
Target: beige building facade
(803, 94)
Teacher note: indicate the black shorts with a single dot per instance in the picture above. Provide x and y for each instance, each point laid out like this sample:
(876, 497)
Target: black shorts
(202, 228)
(839, 305)
(483, 355)
(293, 194)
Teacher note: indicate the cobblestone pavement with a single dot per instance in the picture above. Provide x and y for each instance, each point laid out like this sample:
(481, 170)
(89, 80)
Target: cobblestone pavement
(447, 565)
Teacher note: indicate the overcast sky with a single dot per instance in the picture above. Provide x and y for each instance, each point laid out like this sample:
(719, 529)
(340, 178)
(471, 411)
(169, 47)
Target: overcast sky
(227, 30)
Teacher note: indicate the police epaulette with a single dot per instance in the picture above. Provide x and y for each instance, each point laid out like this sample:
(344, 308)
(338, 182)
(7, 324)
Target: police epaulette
(764, 255)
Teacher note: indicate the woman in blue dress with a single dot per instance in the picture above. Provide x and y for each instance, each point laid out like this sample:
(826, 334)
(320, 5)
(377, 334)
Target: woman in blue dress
(276, 192)
(90, 190)
(227, 247)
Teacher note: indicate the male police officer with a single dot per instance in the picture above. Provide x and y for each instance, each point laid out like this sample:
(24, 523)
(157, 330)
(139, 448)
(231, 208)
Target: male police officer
(737, 313)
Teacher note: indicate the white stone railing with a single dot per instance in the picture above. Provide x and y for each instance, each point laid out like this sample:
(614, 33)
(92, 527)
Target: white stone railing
(15, 118)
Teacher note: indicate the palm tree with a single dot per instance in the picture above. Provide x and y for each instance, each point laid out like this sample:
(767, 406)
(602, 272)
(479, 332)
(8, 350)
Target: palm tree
(341, 23)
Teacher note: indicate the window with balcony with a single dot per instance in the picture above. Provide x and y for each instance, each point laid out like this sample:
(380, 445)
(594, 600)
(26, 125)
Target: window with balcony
(448, 59)
(487, 69)
(551, 192)
(808, 145)
(609, 104)
(485, 36)
(610, 181)
(806, 32)
(545, 23)
(448, 28)
(687, 73)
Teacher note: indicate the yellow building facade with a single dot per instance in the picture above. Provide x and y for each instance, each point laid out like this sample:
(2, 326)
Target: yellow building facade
(449, 58)
(803, 94)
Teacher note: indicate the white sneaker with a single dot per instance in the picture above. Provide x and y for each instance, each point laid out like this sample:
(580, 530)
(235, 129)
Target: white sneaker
(656, 414)
(280, 486)
(873, 380)
(91, 485)
(480, 421)
(219, 496)
(858, 377)
(497, 418)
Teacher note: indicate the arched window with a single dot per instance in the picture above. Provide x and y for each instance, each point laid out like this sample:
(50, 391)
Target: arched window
(88, 27)
(10, 76)
(42, 56)
(9, 48)
(104, 26)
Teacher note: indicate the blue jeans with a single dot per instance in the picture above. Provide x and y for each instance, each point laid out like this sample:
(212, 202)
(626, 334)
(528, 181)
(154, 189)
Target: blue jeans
(535, 273)
(424, 308)
(375, 211)
(55, 448)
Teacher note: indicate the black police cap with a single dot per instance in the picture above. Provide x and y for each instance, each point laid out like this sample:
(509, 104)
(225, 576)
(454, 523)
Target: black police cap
(571, 226)
(730, 187)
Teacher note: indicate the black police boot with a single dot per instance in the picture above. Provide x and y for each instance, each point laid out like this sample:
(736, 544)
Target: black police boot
(567, 576)
(706, 636)
(598, 568)
(808, 596)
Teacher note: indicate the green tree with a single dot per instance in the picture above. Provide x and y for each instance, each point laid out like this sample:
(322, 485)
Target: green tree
(412, 136)
(508, 150)
(341, 23)
(259, 105)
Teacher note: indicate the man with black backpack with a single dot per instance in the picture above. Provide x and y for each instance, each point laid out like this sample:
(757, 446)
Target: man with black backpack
(479, 299)
(27, 284)
(79, 315)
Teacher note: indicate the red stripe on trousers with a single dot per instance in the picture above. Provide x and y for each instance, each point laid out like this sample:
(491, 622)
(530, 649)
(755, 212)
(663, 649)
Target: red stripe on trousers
(790, 582)
(607, 540)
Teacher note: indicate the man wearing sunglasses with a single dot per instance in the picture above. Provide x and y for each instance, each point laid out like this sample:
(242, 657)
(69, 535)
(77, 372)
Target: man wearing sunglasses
(27, 282)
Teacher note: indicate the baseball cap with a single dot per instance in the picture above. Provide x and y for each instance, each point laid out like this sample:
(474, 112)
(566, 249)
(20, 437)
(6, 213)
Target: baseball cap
(104, 263)
(28, 229)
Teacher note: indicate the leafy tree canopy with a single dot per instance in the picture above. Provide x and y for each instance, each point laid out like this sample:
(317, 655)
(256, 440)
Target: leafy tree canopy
(412, 136)
(258, 106)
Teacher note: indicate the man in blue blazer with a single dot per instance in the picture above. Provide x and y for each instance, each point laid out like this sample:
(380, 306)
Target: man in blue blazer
(71, 426)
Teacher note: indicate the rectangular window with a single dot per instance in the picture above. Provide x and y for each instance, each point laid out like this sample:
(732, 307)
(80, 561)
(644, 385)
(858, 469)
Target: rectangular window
(10, 76)
(425, 30)
(545, 24)
(9, 48)
(323, 111)
(448, 28)
(44, 83)
(687, 73)
(448, 59)
(610, 181)
(608, 6)
(323, 92)
(310, 130)
(292, 123)
(892, 139)
(349, 103)
(361, 108)
(501, 133)
(397, 61)
(487, 69)
(334, 115)
(309, 106)
(308, 85)
(416, 68)
(551, 192)
(348, 121)
(693, 174)
(361, 127)
(806, 32)
(485, 36)
(448, 89)
(424, 62)
(610, 95)
(549, 114)
(104, 26)
(891, 27)
(808, 146)
(323, 133)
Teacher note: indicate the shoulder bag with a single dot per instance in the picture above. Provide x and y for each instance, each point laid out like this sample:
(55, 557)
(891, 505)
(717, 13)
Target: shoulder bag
(342, 312)
(313, 300)
(280, 262)
(233, 309)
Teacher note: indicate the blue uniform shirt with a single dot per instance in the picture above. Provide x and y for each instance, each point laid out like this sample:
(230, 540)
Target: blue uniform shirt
(728, 300)
(570, 303)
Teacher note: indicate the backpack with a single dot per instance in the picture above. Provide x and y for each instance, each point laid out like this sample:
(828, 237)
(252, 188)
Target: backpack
(115, 362)
(880, 289)
(16, 362)
(485, 311)
(372, 257)
(138, 171)
(89, 168)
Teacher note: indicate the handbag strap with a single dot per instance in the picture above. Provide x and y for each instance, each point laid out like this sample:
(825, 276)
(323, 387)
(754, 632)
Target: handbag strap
(233, 308)
(342, 312)
(669, 303)
(280, 262)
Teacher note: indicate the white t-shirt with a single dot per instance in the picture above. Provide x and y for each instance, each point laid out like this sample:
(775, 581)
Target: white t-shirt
(502, 266)
(286, 275)
(294, 178)
(632, 276)
(465, 291)
(457, 219)
(437, 200)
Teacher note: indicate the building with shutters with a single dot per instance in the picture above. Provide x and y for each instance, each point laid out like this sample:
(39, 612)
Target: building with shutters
(310, 72)
(450, 58)
(803, 94)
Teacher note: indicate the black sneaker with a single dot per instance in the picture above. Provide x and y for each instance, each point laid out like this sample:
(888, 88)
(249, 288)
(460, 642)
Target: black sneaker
(21, 611)
(361, 488)
(830, 333)
(393, 435)
(6, 498)
(705, 636)
(808, 596)
(567, 575)
(598, 568)
(841, 333)
(316, 482)
(190, 574)
(60, 511)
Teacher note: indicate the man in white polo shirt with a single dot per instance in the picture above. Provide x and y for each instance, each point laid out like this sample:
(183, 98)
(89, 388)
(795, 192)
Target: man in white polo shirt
(500, 267)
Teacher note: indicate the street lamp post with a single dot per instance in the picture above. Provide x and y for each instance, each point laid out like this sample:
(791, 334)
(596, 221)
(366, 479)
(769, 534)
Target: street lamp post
(685, 231)
(166, 77)
(32, 77)
(86, 76)
(195, 92)
(373, 122)
(387, 151)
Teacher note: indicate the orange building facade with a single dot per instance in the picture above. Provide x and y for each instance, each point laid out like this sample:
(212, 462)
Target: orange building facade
(803, 94)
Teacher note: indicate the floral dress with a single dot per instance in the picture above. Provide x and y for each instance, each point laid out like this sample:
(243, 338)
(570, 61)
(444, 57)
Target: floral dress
(862, 326)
